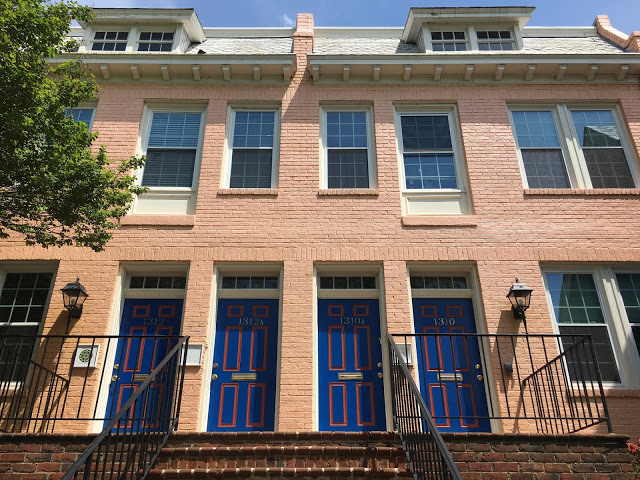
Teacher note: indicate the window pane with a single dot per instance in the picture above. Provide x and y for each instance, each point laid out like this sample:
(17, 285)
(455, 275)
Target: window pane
(251, 169)
(535, 129)
(578, 359)
(596, 128)
(16, 349)
(253, 129)
(429, 171)
(348, 169)
(169, 168)
(575, 298)
(426, 132)
(84, 115)
(608, 168)
(175, 130)
(545, 168)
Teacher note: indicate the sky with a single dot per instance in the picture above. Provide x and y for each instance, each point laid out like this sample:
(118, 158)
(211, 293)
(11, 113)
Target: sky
(623, 14)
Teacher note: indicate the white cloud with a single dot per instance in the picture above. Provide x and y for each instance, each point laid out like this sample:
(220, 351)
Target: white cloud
(287, 21)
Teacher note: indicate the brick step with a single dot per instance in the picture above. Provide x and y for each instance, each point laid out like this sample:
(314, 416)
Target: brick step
(317, 455)
(354, 473)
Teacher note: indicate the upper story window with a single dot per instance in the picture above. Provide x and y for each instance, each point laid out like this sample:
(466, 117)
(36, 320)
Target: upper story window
(594, 155)
(348, 149)
(113, 41)
(155, 41)
(494, 40)
(84, 115)
(253, 138)
(449, 41)
(172, 149)
(431, 163)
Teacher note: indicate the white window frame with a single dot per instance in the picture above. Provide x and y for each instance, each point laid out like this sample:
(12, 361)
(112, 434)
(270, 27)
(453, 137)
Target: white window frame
(444, 201)
(228, 143)
(136, 31)
(169, 200)
(324, 155)
(90, 34)
(472, 37)
(575, 162)
(495, 28)
(467, 38)
(618, 327)
(36, 267)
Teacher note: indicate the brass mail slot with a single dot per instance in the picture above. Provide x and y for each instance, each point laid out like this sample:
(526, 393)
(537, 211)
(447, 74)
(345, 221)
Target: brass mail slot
(243, 377)
(350, 376)
(139, 377)
(449, 377)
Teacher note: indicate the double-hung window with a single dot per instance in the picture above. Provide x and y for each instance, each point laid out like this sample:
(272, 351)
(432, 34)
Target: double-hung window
(155, 41)
(253, 140)
(172, 143)
(431, 163)
(23, 302)
(449, 41)
(110, 41)
(564, 147)
(172, 149)
(347, 148)
(605, 303)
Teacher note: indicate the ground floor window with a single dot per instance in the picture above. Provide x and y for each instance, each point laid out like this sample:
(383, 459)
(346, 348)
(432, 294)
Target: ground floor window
(605, 303)
(23, 303)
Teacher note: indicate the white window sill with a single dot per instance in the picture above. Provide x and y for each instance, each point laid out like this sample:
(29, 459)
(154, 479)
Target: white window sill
(439, 221)
(159, 220)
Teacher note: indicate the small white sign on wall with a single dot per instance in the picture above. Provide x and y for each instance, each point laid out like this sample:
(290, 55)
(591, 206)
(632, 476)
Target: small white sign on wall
(86, 356)
(192, 357)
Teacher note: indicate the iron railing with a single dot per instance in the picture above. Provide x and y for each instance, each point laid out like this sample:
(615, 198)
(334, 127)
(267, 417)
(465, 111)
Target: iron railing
(130, 443)
(71, 383)
(426, 451)
(549, 382)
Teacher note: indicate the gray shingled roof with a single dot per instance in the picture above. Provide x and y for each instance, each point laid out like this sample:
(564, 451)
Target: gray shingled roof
(581, 45)
(391, 46)
(361, 46)
(243, 46)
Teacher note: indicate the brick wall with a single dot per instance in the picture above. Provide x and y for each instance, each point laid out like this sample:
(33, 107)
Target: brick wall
(538, 457)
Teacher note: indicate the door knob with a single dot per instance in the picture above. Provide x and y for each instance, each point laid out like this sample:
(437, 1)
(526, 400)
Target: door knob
(114, 378)
(116, 366)
(214, 377)
(215, 365)
(379, 374)
(379, 364)
(477, 366)
(479, 377)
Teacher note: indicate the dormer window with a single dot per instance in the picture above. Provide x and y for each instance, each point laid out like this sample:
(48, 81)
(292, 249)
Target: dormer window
(155, 41)
(500, 40)
(449, 41)
(110, 41)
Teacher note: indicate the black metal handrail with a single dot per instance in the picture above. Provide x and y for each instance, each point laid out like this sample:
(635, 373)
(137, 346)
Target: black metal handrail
(131, 441)
(426, 451)
(43, 388)
(552, 380)
(569, 403)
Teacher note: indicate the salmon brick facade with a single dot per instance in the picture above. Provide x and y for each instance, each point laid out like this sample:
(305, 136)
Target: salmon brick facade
(347, 121)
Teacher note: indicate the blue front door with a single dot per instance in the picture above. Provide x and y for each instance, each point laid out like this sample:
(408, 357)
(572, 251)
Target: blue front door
(451, 376)
(136, 357)
(351, 390)
(243, 379)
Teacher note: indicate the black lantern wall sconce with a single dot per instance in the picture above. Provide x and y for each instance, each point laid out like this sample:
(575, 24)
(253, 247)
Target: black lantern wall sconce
(73, 296)
(520, 297)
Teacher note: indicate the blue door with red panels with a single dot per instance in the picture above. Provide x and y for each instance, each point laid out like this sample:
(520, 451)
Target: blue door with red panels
(136, 358)
(350, 384)
(451, 376)
(243, 378)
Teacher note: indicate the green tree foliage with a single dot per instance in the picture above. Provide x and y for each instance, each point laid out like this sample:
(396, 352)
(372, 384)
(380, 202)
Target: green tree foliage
(53, 189)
